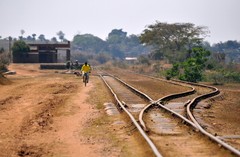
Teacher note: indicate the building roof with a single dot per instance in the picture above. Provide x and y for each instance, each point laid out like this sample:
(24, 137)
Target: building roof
(131, 58)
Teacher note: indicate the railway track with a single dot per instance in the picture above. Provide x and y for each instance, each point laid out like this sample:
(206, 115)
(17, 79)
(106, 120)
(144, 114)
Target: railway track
(165, 133)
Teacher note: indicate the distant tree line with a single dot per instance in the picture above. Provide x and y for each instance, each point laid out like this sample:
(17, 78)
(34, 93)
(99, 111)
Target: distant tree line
(228, 51)
(172, 42)
(41, 37)
(181, 44)
(117, 46)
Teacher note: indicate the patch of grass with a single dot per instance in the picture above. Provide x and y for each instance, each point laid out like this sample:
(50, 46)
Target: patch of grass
(100, 94)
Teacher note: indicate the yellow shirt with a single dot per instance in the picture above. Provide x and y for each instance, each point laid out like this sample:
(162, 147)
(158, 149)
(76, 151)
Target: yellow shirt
(85, 68)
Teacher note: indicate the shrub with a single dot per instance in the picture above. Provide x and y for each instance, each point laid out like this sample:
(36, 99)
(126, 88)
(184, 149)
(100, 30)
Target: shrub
(20, 48)
(232, 76)
(4, 61)
(222, 76)
(174, 71)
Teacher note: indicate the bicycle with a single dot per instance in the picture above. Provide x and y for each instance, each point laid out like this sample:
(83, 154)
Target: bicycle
(85, 78)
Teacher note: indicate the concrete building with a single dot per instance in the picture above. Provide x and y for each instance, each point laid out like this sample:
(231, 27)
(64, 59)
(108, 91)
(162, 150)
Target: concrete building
(43, 53)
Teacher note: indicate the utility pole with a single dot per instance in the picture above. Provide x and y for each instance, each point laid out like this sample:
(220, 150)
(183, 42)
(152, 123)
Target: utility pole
(10, 49)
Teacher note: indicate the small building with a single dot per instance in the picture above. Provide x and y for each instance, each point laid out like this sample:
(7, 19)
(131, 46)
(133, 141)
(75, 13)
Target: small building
(43, 53)
(131, 60)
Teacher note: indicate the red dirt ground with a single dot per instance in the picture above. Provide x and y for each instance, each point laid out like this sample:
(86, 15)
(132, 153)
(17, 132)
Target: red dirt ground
(43, 113)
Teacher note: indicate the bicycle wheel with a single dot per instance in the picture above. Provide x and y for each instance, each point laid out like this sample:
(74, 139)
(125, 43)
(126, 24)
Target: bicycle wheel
(85, 79)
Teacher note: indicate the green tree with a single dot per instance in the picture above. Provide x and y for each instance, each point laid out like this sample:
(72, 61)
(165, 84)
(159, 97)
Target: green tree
(61, 35)
(173, 40)
(103, 57)
(34, 36)
(4, 61)
(20, 48)
(134, 47)
(88, 42)
(29, 38)
(117, 45)
(229, 49)
(54, 39)
(116, 42)
(116, 36)
(41, 37)
(22, 32)
(192, 68)
(174, 71)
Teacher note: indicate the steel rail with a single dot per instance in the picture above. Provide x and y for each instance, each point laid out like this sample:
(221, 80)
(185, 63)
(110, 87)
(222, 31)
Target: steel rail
(158, 102)
(142, 132)
(168, 97)
(145, 96)
(190, 107)
(193, 104)
(167, 109)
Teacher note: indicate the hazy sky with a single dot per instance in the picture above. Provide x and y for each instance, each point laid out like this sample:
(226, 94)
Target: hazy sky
(99, 17)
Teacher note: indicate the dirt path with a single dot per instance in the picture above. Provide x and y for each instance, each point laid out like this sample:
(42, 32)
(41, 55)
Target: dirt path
(44, 116)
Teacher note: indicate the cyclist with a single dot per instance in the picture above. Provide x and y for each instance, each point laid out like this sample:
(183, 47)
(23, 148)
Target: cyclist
(86, 69)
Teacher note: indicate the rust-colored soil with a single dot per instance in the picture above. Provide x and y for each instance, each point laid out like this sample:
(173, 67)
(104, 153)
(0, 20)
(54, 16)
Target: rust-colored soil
(3, 80)
(46, 113)
(43, 113)
(222, 115)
